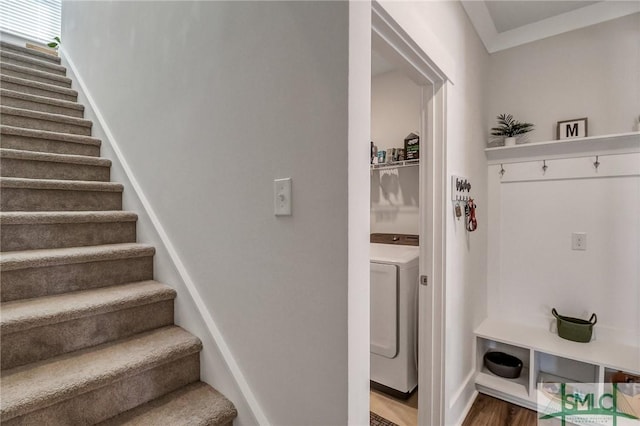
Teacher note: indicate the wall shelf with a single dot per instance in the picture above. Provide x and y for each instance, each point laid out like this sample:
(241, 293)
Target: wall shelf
(538, 348)
(395, 165)
(621, 143)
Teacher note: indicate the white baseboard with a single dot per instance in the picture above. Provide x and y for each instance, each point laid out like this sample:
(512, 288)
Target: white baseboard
(463, 396)
(467, 408)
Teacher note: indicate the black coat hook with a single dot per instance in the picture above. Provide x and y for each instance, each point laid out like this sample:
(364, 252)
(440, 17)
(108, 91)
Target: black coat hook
(502, 170)
(596, 163)
(544, 166)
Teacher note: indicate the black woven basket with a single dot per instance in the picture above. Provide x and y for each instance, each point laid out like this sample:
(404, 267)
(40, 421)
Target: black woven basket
(503, 365)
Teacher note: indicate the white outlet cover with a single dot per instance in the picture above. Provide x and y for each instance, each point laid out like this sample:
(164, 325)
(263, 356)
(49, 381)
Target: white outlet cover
(579, 241)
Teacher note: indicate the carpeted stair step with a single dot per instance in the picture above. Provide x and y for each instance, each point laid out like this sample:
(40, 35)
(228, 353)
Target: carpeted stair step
(36, 63)
(34, 75)
(91, 385)
(17, 117)
(19, 194)
(21, 50)
(36, 88)
(194, 404)
(87, 335)
(42, 165)
(53, 142)
(15, 99)
(37, 329)
(36, 273)
(44, 230)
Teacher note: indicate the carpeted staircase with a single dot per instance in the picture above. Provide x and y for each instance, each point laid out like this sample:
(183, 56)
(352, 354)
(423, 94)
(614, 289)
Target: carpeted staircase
(87, 336)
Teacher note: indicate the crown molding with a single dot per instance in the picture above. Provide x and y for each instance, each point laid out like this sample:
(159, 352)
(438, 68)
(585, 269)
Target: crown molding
(589, 15)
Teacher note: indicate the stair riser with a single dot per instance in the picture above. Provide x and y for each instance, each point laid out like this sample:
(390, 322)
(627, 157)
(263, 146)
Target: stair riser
(60, 235)
(38, 91)
(100, 404)
(39, 67)
(36, 282)
(24, 347)
(46, 145)
(13, 167)
(25, 199)
(41, 79)
(40, 124)
(37, 106)
(34, 55)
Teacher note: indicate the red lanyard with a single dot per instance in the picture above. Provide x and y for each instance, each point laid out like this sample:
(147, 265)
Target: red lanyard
(470, 213)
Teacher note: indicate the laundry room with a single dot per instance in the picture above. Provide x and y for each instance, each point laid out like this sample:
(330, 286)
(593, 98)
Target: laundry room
(394, 221)
(395, 116)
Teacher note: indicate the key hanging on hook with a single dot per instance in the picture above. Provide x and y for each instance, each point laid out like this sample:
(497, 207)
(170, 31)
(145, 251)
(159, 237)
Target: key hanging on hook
(458, 211)
(502, 171)
(596, 163)
(544, 166)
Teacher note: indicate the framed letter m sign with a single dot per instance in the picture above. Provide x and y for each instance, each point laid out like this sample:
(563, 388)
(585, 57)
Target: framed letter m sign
(576, 128)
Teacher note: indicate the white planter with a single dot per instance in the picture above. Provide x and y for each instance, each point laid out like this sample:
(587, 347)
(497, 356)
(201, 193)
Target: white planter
(510, 141)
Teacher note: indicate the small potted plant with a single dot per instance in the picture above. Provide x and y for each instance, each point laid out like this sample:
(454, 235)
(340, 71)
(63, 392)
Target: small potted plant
(508, 128)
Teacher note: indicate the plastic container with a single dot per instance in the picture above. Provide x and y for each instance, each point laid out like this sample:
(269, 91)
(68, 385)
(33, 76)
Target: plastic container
(575, 329)
(503, 365)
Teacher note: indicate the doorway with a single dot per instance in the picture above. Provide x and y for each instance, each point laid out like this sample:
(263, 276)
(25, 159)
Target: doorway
(396, 111)
(391, 43)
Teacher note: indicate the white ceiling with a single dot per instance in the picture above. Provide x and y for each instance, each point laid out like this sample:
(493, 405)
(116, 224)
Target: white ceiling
(379, 65)
(508, 15)
(508, 23)
(505, 24)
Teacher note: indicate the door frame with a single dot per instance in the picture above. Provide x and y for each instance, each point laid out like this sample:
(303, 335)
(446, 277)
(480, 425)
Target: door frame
(388, 36)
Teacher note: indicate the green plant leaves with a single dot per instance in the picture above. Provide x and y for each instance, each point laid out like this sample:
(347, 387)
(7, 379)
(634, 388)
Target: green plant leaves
(55, 44)
(509, 127)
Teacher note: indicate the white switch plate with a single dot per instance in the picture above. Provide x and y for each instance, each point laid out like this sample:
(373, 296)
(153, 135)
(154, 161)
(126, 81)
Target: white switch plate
(579, 241)
(282, 197)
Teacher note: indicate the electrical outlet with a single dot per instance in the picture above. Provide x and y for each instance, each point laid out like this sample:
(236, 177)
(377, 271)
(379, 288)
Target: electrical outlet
(579, 241)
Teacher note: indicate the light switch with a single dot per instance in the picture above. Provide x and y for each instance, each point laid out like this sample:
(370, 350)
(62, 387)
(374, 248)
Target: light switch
(282, 197)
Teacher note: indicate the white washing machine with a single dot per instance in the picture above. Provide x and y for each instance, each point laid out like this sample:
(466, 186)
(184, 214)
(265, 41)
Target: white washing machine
(394, 318)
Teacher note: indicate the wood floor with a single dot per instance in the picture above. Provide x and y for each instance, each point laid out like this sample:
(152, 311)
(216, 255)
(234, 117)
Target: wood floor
(403, 413)
(488, 411)
(485, 411)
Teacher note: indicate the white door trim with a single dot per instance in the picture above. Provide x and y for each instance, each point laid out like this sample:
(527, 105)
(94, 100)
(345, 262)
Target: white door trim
(388, 35)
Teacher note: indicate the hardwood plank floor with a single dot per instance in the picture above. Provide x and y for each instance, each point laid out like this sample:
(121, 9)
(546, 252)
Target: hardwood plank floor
(485, 411)
(489, 411)
(403, 413)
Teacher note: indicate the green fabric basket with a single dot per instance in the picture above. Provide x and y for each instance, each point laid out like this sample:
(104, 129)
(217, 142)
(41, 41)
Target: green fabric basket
(575, 329)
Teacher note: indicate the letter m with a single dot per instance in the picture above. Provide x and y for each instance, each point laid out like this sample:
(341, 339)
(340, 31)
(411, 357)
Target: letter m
(572, 130)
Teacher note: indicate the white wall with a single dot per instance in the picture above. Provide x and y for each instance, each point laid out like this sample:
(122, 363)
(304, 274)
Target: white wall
(395, 109)
(395, 207)
(443, 31)
(209, 102)
(537, 270)
(591, 72)
(395, 112)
